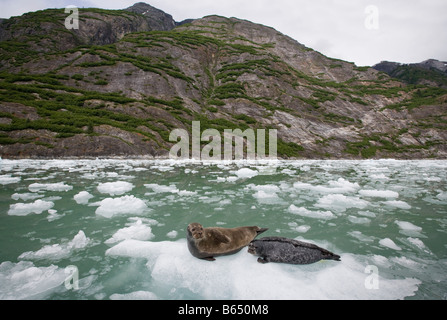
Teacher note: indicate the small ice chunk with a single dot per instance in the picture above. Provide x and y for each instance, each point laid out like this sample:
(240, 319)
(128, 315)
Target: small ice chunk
(302, 229)
(82, 197)
(110, 207)
(53, 215)
(79, 241)
(339, 186)
(417, 242)
(310, 214)
(408, 226)
(60, 186)
(360, 236)
(379, 193)
(265, 195)
(442, 196)
(340, 202)
(26, 196)
(23, 209)
(172, 234)
(23, 280)
(387, 242)
(57, 252)
(186, 193)
(359, 220)
(7, 179)
(136, 230)
(398, 204)
(115, 188)
(162, 189)
(246, 173)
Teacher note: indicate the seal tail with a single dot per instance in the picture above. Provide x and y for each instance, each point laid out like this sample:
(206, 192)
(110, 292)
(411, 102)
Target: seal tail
(261, 230)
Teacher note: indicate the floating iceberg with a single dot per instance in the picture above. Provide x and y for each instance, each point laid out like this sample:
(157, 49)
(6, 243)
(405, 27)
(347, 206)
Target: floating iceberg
(115, 188)
(170, 265)
(82, 197)
(58, 252)
(24, 209)
(126, 205)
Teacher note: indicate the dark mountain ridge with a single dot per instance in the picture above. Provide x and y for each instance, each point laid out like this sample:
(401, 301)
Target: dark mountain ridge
(430, 72)
(121, 83)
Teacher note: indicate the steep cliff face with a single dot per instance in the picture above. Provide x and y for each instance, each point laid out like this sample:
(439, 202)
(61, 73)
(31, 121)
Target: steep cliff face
(124, 94)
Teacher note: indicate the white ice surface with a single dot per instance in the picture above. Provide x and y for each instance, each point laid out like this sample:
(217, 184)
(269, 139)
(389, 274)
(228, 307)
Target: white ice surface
(404, 225)
(339, 186)
(379, 193)
(397, 204)
(136, 230)
(387, 242)
(60, 186)
(23, 280)
(24, 209)
(317, 214)
(26, 196)
(340, 202)
(126, 205)
(174, 271)
(82, 197)
(246, 173)
(162, 189)
(7, 179)
(58, 251)
(115, 188)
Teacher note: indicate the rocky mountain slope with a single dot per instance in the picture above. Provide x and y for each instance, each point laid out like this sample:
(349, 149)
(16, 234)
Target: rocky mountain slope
(121, 83)
(430, 72)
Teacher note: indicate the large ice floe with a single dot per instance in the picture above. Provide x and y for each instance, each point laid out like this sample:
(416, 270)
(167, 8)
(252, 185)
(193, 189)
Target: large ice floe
(178, 275)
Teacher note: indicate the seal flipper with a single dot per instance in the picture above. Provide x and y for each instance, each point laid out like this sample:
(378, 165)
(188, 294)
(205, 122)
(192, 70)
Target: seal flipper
(262, 260)
(331, 256)
(219, 236)
(209, 259)
(261, 230)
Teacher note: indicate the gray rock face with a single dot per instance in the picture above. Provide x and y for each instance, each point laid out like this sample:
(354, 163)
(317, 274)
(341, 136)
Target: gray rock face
(387, 66)
(156, 18)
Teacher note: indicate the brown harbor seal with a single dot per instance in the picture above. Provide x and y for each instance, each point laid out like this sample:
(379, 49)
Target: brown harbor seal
(207, 243)
(283, 250)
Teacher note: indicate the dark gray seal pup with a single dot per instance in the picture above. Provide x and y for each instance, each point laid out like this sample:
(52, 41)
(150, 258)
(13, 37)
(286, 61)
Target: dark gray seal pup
(283, 250)
(207, 243)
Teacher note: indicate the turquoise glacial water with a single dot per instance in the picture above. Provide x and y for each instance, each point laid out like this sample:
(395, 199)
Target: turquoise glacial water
(116, 229)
